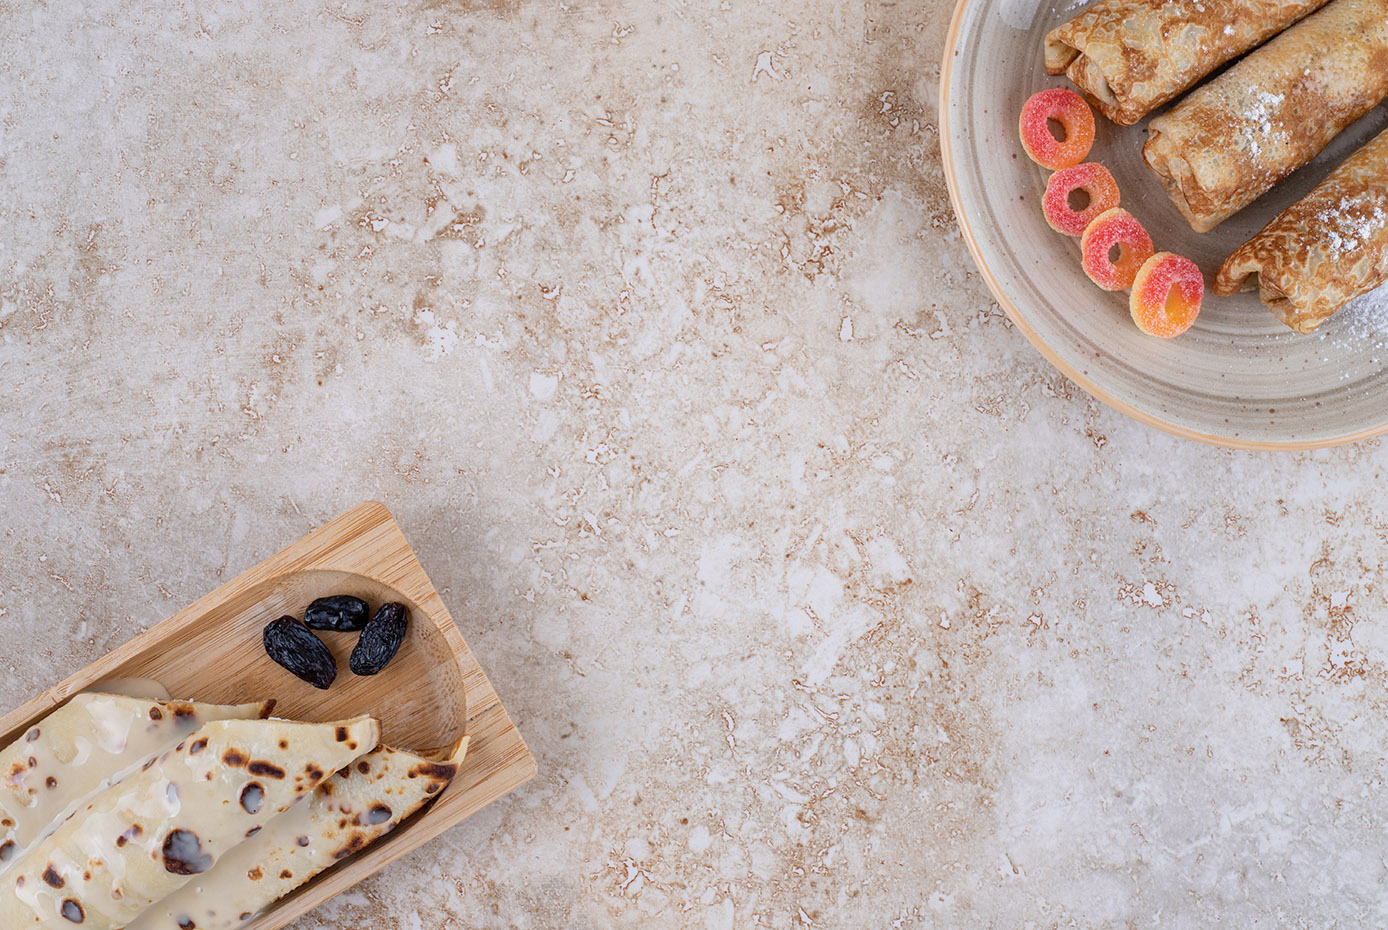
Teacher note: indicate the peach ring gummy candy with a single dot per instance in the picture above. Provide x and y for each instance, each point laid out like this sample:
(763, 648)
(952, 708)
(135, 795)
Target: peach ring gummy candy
(1114, 247)
(1075, 195)
(1166, 295)
(1075, 118)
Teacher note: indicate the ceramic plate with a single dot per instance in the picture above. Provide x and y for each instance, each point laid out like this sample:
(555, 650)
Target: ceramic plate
(1238, 377)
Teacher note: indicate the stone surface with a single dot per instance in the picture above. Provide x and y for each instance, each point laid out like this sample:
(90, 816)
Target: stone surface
(820, 598)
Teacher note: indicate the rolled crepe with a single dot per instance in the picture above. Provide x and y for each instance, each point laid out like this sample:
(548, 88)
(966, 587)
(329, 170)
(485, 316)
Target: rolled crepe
(80, 748)
(1324, 250)
(355, 807)
(1131, 56)
(1232, 139)
(144, 837)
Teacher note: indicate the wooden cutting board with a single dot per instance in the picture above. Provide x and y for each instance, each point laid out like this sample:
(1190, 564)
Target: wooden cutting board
(428, 697)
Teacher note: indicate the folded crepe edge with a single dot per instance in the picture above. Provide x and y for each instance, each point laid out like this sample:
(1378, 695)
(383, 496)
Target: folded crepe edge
(369, 741)
(1065, 54)
(264, 708)
(460, 751)
(1242, 271)
(1058, 52)
(1174, 173)
(1089, 76)
(445, 753)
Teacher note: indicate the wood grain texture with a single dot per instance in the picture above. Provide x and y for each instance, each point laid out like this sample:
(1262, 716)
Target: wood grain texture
(431, 694)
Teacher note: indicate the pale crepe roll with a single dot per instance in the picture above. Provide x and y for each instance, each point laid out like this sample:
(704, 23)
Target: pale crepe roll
(1323, 251)
(1131, 56)
(80, 748)
(1232, 139)
(146, 836)
(355, 807)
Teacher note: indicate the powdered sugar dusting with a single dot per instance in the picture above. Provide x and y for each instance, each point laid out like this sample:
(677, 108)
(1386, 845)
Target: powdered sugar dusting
(1259, 121)
(1361, 324)
(1347, 229)
(1351, 225)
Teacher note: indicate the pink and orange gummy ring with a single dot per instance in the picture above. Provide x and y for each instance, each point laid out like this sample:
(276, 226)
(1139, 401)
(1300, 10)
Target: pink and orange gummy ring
(1166, 295)
(1091, 180)
(1075, 118)
(1110, 229)
(1082, 199)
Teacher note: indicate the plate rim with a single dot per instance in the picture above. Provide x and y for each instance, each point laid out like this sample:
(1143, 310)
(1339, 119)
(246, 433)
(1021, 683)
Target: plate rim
(1020, 322)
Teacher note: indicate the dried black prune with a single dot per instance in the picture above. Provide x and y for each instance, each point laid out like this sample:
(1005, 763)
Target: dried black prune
(340, 613)
(294, 646)
(379, 641)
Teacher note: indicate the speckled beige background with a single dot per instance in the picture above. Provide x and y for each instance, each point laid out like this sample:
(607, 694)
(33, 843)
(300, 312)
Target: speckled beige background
(820, 598)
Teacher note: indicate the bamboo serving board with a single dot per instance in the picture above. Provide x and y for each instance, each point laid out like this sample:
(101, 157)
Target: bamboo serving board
(428, 697)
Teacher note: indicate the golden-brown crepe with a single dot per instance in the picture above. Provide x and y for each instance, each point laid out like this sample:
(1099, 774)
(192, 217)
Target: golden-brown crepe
(1323, 251)
(1232, 139)
(1131, 56)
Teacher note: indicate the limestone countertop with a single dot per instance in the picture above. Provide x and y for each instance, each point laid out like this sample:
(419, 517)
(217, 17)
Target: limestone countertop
(821, 599)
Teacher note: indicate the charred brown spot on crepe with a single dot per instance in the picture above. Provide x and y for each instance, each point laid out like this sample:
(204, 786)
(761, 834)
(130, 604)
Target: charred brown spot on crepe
(198, 746)
(72, 910)
(439, 774)
(252, 797)
(234, 758)
(266, 769)
(183, 853)
(131, 832)
(354, 842)
(32, 735)
(51, 878)
(441, 771)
